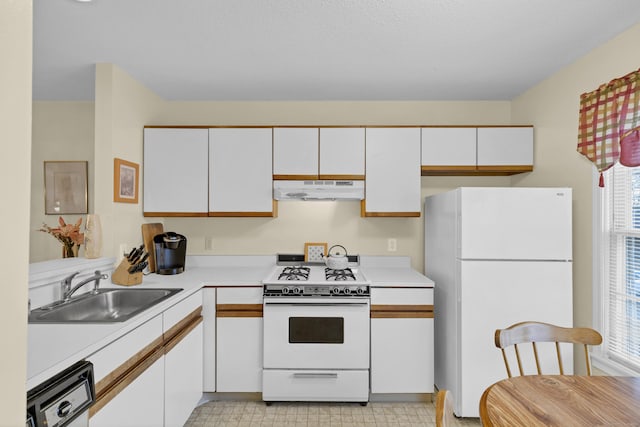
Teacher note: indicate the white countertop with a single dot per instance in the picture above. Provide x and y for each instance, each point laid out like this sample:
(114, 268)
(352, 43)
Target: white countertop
(54, 347)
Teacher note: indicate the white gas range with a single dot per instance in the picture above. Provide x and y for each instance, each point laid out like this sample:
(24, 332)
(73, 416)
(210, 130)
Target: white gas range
(316, 332)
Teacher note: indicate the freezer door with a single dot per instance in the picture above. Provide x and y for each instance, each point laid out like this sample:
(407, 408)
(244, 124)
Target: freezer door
(495, 295)
(515, 223)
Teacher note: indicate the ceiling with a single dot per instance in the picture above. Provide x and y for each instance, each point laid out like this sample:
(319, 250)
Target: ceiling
(263, 50)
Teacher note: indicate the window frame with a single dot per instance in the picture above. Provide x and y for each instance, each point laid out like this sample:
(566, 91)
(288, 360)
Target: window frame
(599, 358)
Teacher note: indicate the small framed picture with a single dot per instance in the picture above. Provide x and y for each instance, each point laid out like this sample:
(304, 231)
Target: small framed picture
(313, 252)
(65, 187)
(125, 181)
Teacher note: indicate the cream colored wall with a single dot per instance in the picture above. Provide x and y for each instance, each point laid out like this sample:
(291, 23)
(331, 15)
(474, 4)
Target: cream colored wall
(122, 108)
(15, 139)
(61, 131)
(331, 222)
(552, 107)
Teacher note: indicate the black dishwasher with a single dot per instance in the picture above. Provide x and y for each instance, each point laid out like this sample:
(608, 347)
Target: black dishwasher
(64, 399)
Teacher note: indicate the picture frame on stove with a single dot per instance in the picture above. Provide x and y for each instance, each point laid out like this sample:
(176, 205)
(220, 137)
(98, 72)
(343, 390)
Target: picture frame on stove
(314, 252)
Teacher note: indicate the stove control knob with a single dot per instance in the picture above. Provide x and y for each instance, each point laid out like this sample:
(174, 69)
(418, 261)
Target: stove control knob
(297, 290)
(360, 291)
(336, 290)
(347, 291)
(285, 290)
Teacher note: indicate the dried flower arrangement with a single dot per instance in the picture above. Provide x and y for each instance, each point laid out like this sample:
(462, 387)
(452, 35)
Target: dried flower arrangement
(68, 234)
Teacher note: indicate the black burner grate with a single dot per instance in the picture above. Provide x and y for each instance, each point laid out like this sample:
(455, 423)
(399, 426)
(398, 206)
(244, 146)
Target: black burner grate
(339, 275)
(294, 273)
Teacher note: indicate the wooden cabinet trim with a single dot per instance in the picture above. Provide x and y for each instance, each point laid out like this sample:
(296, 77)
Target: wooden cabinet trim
(391, 214)
(505, 168)
(182, 324)
(175, 340)
(401, 311)
(295, 177)
(239, 310)
(116, 381)
(243, 214)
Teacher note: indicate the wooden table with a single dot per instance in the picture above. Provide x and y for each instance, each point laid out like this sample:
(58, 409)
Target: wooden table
(562, 400)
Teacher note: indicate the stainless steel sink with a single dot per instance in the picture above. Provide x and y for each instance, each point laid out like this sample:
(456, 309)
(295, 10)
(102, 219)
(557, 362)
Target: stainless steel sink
(105, 306)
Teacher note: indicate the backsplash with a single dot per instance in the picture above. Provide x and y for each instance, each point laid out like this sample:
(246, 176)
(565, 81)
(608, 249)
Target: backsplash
(45, 276)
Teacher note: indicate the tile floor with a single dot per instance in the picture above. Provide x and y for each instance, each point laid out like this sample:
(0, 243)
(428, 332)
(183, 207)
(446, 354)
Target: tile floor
(375, 414)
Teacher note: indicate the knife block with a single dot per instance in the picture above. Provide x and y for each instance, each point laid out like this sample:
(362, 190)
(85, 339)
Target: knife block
(121, 275)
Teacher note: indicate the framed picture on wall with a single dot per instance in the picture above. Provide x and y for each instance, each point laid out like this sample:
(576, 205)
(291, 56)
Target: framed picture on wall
(65, 187)
(125, 181)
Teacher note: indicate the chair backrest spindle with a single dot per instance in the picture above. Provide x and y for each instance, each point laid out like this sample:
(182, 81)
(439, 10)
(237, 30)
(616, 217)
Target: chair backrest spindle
(538, 332)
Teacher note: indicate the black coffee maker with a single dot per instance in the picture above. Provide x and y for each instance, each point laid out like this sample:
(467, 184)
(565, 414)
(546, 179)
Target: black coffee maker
(171, 250)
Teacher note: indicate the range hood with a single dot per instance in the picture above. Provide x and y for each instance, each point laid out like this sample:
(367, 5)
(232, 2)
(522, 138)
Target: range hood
(318, 190)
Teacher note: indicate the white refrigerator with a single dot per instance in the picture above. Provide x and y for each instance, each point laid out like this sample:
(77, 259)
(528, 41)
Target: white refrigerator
(498, 256)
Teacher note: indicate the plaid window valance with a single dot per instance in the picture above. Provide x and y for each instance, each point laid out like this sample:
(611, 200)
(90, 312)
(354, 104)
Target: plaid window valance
(609, 123)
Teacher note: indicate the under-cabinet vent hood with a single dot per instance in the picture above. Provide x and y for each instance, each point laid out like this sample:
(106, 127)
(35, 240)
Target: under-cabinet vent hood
(318, 190)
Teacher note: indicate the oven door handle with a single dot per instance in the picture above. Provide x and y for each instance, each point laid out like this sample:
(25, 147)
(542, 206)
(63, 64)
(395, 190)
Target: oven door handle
(314, 375)
(316, 304)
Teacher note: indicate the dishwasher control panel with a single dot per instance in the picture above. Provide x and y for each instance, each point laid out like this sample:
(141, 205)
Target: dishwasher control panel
(63, 398)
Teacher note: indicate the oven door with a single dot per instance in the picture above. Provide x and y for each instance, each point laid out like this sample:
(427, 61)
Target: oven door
(316, 333)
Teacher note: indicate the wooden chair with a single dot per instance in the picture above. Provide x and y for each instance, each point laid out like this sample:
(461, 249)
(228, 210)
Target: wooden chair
(444, 409)
(537, 332)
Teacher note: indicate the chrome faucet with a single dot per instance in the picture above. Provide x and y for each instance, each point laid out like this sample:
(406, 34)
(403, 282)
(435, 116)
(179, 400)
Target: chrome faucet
(67, 290)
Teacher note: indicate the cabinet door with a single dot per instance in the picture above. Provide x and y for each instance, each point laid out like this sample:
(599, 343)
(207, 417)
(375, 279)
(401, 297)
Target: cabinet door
(239, 357)
(342, 153)
(239, 340)
(392, 172)
(240, 172)
(505, 148)
(402, 348)
(295, 153)
(183, 378)
(140, 404)
(175, 169)
(401, 355)
(448, 149)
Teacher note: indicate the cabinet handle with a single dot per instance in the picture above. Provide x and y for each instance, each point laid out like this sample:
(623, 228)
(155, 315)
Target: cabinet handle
(315, 375)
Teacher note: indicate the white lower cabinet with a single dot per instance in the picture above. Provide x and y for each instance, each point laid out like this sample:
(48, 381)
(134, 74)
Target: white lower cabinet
(139, 404)
(152, 376)
(239, 340)
(183, 365)
(402, 340)
(183, 378)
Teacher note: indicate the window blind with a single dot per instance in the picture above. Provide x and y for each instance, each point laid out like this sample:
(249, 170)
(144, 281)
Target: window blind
(622, 288)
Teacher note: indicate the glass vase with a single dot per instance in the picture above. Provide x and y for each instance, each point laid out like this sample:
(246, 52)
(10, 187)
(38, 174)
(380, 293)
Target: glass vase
(93, 237)
(70, 251)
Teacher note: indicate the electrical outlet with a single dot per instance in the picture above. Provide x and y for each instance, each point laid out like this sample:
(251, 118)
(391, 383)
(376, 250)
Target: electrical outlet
(392, 245)
(208, 243)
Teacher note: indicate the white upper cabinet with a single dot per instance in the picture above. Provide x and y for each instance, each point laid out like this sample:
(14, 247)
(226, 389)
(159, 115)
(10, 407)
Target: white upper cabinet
(505, 146)
(240, 172)
(342, 153)
(392, 172)
(449, 146)
(324, 153)
(175, 171)
(295, 153)
(497, 150)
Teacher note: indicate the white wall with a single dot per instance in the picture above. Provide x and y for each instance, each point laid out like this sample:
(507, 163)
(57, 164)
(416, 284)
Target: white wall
(15, 139)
